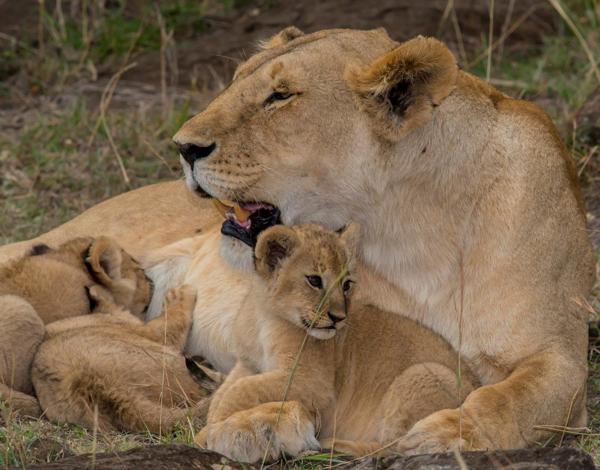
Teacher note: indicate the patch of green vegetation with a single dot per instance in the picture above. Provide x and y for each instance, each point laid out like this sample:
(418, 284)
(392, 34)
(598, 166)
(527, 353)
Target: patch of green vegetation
(557, 68)
(24, 441)
(184, 16)
(52, 172)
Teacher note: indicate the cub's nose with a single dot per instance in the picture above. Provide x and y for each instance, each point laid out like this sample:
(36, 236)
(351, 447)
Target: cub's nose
(335, 317)
(193, 152)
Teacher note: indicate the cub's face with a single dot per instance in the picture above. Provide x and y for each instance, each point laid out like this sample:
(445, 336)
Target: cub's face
(57, 281)
(307, 272)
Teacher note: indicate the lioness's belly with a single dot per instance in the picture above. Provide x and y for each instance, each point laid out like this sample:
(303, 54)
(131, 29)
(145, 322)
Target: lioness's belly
(220, 288)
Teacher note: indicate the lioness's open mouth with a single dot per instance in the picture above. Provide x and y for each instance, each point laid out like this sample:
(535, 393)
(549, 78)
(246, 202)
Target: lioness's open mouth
(245, 221)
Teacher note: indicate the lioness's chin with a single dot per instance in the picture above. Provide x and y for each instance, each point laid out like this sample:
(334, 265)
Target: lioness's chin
(237, 254)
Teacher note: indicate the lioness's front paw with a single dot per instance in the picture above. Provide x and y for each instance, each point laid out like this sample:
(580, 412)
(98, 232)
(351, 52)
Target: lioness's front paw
(442, 431)
(250, 437)
(181, 298)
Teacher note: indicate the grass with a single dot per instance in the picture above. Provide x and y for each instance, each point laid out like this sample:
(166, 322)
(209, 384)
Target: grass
(51, 172)
(58, 158)
(25, 442)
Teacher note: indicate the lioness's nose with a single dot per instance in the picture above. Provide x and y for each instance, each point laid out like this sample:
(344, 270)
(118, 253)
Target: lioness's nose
(193, 152)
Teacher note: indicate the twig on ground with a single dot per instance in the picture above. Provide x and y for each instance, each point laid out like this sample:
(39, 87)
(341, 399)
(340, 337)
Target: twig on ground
(568, 417)
(158, 155)
(566, 430)
(105, 100)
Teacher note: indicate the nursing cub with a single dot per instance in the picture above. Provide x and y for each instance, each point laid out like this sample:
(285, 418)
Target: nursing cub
(359, 377)
(51, 284)
(71, 330)
(113, 371)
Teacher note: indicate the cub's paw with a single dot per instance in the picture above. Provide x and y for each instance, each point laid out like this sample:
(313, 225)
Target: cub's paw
(253, 435)
(442, 431)
(26, 405)
(182, 298)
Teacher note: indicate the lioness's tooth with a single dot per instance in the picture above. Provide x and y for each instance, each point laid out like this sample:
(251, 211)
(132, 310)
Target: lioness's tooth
(222, 208)
(241, 214)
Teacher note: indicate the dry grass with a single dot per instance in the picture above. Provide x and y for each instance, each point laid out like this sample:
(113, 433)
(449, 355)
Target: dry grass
(69, 139)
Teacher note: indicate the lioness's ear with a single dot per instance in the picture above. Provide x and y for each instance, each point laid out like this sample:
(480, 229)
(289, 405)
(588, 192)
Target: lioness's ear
(273, 246)
(350, 237)
(400, 89)
(282, 37)
(104, 260)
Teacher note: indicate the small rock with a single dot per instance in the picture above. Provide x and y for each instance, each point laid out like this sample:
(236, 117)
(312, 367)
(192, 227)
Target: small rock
(45, 450)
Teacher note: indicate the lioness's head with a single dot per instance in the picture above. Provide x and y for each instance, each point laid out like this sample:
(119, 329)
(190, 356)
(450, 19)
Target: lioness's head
(307, 272)
(312, 128)
(57, 281)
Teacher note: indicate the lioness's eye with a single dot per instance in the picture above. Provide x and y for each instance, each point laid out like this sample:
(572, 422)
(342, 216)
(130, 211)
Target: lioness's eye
(347, 285)
(277, 96)
(315, 281)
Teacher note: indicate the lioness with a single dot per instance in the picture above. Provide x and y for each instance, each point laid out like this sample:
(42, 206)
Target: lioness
(369, 382)
(473, 221)
(111, 371)
(52, 284)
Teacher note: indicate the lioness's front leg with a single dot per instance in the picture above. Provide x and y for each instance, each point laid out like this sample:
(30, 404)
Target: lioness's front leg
(505, 415)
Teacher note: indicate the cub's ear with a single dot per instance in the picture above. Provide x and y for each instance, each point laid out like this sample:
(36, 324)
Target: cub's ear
(350, 237)
(400, 89)
(104, 260)
(273, 246)
(282, 37)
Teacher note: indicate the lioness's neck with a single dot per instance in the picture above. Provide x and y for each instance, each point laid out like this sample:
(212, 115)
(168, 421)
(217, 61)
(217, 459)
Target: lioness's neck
(419, 227)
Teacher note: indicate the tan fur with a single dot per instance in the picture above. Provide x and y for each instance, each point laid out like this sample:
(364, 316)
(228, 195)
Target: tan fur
(368, 384)
(472, 220)
(282, 37)
(424, 65)
(131, 374)
(49, 285)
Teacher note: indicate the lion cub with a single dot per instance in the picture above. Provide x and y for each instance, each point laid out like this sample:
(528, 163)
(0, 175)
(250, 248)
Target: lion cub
(51, 284)
(369, 375)
(111, 370)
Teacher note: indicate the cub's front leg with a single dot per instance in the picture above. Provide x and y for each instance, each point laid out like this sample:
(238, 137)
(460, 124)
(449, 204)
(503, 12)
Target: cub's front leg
(266, 431)
(171, 328)
(239, 371)
(277, 385)
(248, 421)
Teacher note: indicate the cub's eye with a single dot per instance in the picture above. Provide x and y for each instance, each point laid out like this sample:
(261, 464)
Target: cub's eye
(315, 281)
(277, 96)
(347, 285)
